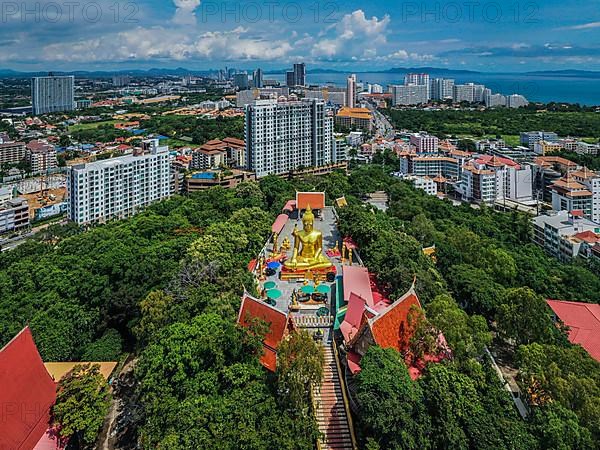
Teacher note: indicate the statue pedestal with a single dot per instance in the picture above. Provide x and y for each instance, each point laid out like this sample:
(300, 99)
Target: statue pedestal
(300, 274)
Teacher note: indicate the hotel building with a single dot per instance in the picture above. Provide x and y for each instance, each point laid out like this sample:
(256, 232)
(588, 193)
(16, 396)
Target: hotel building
(282, 136)
(118, 187)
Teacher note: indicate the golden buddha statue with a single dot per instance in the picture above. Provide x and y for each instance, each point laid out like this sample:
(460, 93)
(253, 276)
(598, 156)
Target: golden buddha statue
(308, 246)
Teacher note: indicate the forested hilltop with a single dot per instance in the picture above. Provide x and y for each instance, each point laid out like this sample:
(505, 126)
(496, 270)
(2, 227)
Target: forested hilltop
(166, 286)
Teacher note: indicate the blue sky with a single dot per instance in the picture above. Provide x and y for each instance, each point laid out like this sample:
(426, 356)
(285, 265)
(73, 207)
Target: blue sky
(354, 35)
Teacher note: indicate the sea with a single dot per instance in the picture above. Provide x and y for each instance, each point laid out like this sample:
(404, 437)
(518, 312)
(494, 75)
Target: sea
(537, 88)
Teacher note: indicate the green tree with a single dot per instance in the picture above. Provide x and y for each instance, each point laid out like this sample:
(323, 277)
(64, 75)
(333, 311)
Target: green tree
(524, 317)
(108, 348)
(391, 404)
(154, 315)
(299, 369)
(559, 429)
(250, 195)
(82, 401)
(466, 335)
(451, 399)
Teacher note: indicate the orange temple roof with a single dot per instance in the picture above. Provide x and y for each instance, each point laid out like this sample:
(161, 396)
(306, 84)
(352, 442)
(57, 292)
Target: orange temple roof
(316, 200)
(280, 324)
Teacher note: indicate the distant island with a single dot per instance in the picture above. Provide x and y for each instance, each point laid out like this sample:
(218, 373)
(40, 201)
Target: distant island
(179, 71)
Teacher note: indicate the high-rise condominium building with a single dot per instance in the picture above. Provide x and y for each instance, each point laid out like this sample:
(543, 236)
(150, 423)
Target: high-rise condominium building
(290, 79)
(441, 88)
(492, 100)
(121, 80)
(516, 101)
(419, 79)
(297, 76)
(284, 136)
(12, 152)
(300, 74)
(240, 81)
(463, 93)
(409, 95)
(424, 143)
(118, 187)
(41, 157)
(479, 93)
(52, 94)
(258, 78)
(351, 91)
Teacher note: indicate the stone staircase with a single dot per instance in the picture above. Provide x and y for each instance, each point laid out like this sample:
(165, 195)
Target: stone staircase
(330, 408)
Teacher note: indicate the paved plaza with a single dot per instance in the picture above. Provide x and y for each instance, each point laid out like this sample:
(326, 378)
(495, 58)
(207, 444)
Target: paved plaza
(326, 223)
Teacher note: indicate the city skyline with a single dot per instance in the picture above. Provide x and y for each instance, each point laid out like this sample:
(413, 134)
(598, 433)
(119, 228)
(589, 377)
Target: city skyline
(493, 37)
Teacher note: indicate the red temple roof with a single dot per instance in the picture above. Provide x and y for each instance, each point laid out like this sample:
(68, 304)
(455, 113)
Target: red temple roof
(279, 223)
(27, 393)
(356, 280)
(316, 200)
(290, 206)
(353, 318)
(280, 324)
(583, 319)
(390, 328)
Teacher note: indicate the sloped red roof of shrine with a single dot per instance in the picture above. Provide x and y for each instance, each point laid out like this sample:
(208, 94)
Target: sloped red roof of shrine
(27, 393)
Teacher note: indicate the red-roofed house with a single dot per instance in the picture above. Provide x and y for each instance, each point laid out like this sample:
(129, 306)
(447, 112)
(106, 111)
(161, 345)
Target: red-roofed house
(27, 392)
(583, 320)
(280, 325)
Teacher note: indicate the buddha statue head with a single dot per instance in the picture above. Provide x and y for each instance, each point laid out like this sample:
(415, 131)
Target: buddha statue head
(308, 219)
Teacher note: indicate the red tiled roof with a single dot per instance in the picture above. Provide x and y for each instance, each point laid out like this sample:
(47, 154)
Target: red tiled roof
(290, 206)
(316, 200)
(588, 236)
(26, 393)
(352, 320)
(497, 161)
(356, 280)
(583, 319)
(234, 142)
(390, 328)
(279, 223)
(279, 325)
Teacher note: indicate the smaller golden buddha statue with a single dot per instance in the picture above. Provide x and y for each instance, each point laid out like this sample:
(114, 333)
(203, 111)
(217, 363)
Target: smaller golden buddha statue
(308, 246)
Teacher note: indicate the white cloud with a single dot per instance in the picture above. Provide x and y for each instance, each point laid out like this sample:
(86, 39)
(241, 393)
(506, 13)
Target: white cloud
(583, 26)
(160, 43)
(185, 12)
(404, 55)
(353, 36)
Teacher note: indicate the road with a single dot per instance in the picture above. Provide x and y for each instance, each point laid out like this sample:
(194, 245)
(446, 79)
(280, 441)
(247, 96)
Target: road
(12, 243)
(383, 127)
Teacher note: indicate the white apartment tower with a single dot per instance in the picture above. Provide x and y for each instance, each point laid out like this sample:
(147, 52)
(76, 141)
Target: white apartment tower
(285, 135)
(414, 94)
(441, 88)
(419, 79)
(52, 94)
(118, 187)
(351, 91)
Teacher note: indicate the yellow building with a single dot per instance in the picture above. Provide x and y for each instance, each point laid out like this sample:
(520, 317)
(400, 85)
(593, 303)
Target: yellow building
(361, 118)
